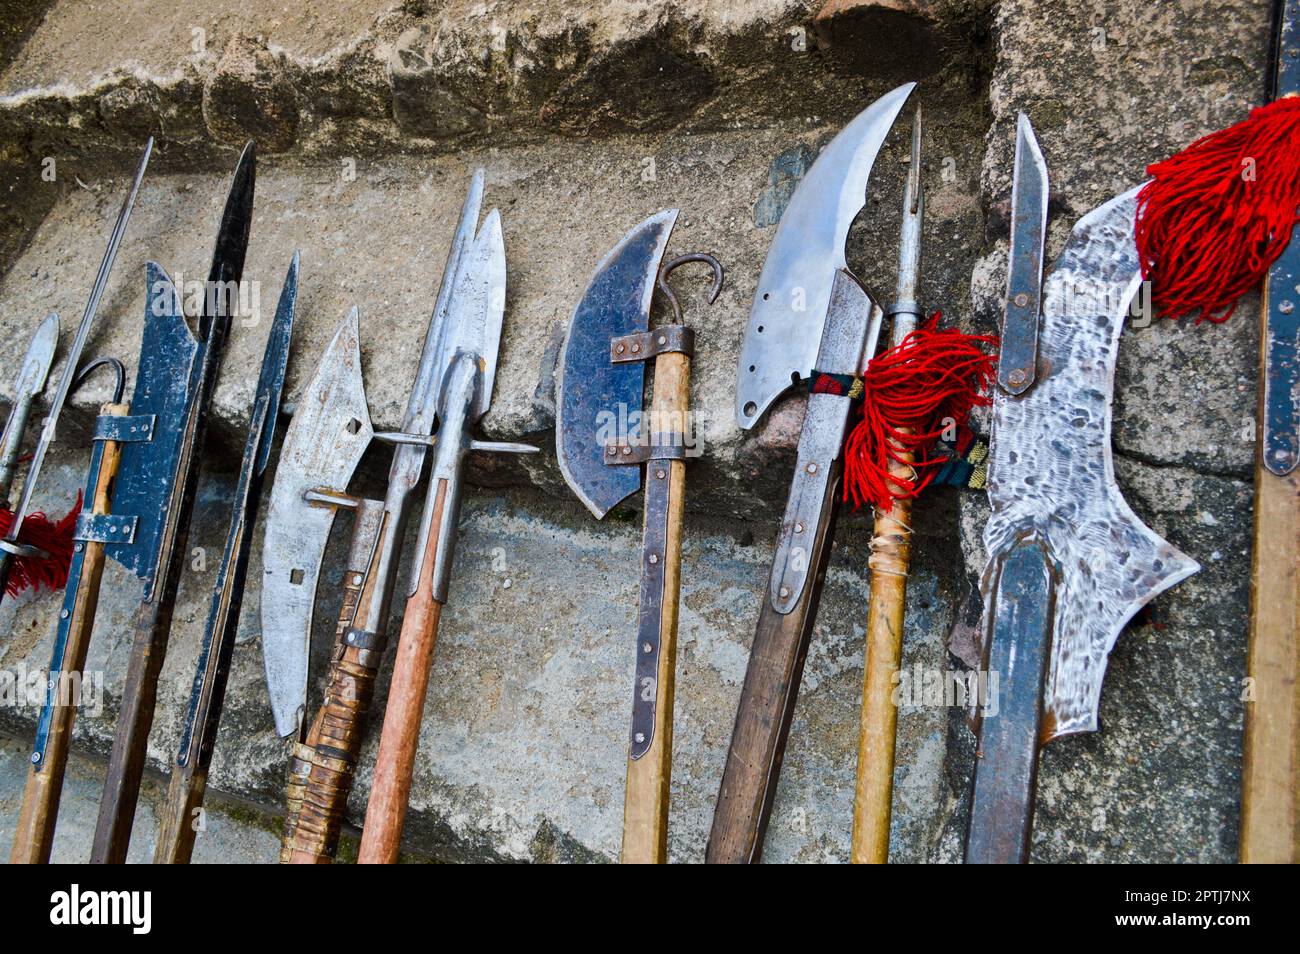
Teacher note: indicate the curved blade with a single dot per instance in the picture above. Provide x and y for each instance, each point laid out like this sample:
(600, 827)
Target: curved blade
(794, 289)
(597, 399)
(232, 237)
(146, 473)
(322, 446)
(1051, 477)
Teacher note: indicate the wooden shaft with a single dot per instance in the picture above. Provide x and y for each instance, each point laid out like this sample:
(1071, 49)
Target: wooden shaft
(323, 767)
(1270, 771)
(395, 764)
(182, 816)
(766, 709)
(645, 802)
(34, 835)
(891, 552)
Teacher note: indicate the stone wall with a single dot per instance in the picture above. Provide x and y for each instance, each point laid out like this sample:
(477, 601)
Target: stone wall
(370, 114)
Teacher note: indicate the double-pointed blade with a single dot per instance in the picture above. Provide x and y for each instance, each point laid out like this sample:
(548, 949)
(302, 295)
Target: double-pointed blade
(596, 398)
(322, 447)
(1051, 476)
(794, 290)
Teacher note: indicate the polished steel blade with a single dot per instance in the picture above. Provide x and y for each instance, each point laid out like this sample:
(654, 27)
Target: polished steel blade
(322, 446)
(1052, 479)
(593, 394)
(794, 290)
(1018, 356)
(28, 386)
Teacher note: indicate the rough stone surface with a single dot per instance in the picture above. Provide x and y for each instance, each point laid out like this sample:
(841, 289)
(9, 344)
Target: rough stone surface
(371, 114)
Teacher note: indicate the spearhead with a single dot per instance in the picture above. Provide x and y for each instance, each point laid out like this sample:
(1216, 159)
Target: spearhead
(28, 386)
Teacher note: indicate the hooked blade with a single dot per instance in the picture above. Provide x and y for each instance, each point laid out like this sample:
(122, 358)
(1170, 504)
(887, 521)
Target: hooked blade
(597, 398)
(788, 316)
(159, 405)
(1051, 476)
(1029, 191)
(27, 387)
(322, 447)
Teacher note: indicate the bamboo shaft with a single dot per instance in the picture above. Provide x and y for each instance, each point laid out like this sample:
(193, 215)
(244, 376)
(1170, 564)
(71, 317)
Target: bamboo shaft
(649, 778)
(34, 835)
(395, 764)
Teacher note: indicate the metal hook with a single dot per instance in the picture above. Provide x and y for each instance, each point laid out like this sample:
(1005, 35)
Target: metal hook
(119, 372)
(667, 267)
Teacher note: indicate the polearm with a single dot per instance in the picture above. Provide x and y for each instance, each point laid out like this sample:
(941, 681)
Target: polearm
(164, 506)
(891, 550)
(34, 832)
(811, 319)
(9, 546)
(466, 337)
(181, 815)
(28, 386)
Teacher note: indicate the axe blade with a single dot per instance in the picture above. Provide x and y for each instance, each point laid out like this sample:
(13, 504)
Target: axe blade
(598, 400)
(322, 447)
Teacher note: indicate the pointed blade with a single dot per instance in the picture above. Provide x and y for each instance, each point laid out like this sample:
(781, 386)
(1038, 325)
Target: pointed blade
(40, 355)
(144, 485)
(1051, 476)
(322, 446)
(794, 290)
(232, 236)
(1029, 192)
(477, 308)
(596, 398)
(275, 361)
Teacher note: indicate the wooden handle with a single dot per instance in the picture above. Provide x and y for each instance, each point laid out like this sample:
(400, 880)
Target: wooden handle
(34, 835)
(766, 709)
(395, 764)
(645, 802)
(323, 767)
(182, 816)
(1270, 773)
(891, 553)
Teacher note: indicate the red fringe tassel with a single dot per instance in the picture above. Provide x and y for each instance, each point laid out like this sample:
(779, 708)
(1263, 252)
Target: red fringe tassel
(914, 392)
(54, 538)
(1218, 214)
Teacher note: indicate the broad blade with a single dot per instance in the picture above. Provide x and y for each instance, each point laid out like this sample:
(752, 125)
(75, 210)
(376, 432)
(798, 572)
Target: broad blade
(1029, 191)
(1051, 477)
(477, 309)
(598, 399)
(145, 476)
(789, 312)
(322, 446)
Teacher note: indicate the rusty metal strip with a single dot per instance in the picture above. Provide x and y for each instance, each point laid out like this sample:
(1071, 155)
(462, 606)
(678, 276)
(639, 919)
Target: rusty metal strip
(646, 689)
(644, 345)
(670, 445)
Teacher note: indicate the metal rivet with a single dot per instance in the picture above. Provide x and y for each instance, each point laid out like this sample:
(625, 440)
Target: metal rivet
(654, 558)
(812, 468)
(1021, 300)
(626, 451)
(1017, 377)
(79, 547)
(663, 340)
(659, 474)
(784, 592)
(63, 614)
(620, 349)
(356, 580)
(640, 737)
(798, 528)
(636, 348)
(36, 758)
(1286, 307)
(646, 648)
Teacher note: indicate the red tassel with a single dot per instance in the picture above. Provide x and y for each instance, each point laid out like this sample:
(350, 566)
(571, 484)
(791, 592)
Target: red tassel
(54, 538)
(914, 392)
(1218, 214)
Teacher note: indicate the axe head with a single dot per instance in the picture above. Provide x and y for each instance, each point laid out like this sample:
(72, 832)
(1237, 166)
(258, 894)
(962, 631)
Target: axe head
(600, 401)
(322, 447)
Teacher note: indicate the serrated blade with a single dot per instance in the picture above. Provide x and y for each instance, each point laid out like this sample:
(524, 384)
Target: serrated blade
(1018, 355)
(794, 290)
(1051, 476)
(322, 447)
(595, 394)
